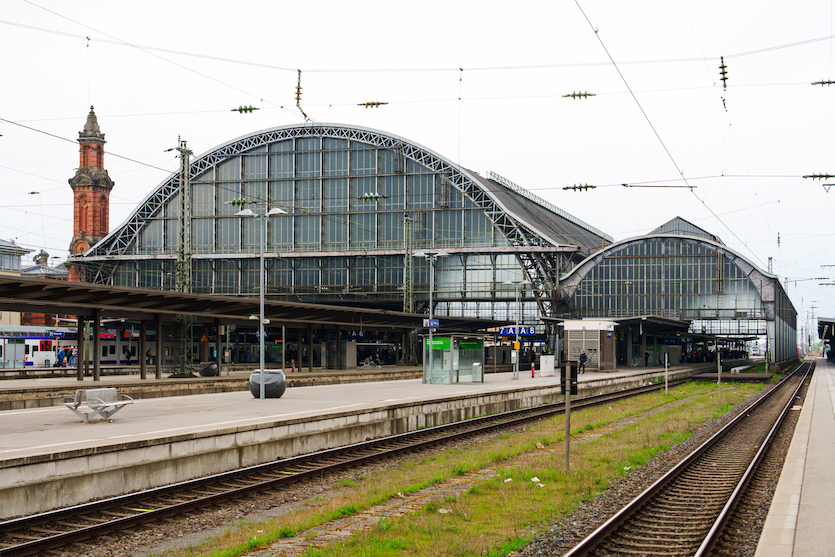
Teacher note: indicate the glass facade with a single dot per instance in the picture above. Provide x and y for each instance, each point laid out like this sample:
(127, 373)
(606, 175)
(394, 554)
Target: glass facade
(676, 278)
(356, 198)
(687, 279)
(344, 235)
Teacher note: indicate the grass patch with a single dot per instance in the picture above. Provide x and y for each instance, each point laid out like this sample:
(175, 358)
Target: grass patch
(494, 517)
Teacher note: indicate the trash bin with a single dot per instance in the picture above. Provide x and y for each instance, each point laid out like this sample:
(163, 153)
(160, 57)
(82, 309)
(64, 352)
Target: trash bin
(208, 369)
(46, 363)
(275, 383)
(477, 372)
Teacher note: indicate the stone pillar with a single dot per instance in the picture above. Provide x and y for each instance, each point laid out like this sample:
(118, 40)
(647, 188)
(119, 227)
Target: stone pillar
(96, 346)
(143, 347)
(81, 364)
(218, 345)
(310, 348)
(158, 358)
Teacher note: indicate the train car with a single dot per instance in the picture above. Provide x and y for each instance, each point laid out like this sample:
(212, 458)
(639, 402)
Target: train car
(27, 346)
(37, 346)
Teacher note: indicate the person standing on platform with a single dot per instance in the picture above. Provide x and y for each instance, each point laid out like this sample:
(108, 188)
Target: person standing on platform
(583, 360)
(60, 357)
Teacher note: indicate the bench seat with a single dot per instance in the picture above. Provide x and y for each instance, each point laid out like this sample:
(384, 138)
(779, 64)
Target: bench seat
(104, 402)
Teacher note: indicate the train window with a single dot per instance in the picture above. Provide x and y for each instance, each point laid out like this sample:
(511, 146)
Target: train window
(34, 348)
(112, 348)
(133, 350)
(26, 350)
(104, 351)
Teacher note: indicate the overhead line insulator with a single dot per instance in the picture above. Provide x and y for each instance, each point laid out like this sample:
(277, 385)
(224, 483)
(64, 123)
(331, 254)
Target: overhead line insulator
(723, 71)
(581, 95)
(372, 104)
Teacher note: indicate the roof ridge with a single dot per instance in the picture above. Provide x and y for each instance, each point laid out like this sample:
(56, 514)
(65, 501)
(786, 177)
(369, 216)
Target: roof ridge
(516, 188)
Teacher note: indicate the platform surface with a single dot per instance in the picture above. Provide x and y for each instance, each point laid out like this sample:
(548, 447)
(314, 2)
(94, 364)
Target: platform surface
(39, 431)
(800, 520)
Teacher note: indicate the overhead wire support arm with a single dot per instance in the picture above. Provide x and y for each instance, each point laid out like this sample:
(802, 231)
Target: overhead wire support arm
(690, 187)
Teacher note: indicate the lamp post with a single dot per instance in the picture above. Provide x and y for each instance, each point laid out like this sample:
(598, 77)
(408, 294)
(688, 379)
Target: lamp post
(518, 285)
(431, 257)
(261, 321)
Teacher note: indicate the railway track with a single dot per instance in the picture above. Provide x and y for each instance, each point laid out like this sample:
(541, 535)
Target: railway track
(43, 532)
(685, 511)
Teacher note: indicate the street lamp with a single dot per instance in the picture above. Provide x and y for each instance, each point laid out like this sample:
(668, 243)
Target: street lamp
(261, 321)
(518, 285)
(430, 256)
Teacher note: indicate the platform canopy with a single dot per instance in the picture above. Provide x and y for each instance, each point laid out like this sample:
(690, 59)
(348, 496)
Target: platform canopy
(86, 300)
(826, 328)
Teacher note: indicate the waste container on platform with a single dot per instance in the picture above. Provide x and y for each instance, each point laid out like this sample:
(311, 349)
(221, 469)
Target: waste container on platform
(275, 383)
(477, 373)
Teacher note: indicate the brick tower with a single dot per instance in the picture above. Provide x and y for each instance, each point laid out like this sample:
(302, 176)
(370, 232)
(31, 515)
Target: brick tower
(91, 187)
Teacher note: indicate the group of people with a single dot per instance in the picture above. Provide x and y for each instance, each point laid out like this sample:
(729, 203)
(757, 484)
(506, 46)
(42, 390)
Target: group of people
(67, 356)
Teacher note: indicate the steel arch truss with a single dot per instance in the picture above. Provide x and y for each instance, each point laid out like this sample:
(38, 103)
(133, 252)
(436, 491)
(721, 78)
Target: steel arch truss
(541, 269)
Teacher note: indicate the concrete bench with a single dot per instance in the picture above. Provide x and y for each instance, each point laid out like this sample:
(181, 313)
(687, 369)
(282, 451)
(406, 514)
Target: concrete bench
(99, 402)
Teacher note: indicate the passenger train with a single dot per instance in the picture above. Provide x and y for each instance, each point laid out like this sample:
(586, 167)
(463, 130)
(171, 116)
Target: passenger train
(30, 346)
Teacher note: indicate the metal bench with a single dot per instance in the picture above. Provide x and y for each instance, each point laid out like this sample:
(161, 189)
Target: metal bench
(100, 402)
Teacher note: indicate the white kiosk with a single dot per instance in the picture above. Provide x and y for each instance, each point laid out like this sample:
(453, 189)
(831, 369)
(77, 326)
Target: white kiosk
(596, 337)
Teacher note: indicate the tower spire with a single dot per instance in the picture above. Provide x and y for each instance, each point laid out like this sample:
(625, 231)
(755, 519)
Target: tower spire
(91, 187)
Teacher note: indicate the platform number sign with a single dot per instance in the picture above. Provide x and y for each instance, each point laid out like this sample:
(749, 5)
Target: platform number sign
(524, 331)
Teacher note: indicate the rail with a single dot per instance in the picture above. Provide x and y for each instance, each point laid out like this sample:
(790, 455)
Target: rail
(52, 530)
(641, 504)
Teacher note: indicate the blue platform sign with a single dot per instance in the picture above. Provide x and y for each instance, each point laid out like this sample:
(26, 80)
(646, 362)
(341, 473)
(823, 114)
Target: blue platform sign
(434, 323)
(524, 331)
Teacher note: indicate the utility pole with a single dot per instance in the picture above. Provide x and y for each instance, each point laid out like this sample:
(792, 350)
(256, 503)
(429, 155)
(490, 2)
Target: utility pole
(409, 356)
(183, 275)
(183, 328)
(408, 276)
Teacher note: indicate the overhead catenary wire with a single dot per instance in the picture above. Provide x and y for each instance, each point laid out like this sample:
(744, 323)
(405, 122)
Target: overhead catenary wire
(654, 130)
(147, 51)
(450, 69)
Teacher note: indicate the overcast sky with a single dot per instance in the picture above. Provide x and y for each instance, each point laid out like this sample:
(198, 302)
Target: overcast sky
(480, 83)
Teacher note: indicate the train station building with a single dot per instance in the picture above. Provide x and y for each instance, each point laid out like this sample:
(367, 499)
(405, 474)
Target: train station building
(366, 217)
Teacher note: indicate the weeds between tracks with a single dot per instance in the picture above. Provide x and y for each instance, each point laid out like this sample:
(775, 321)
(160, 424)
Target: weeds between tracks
(501, 508)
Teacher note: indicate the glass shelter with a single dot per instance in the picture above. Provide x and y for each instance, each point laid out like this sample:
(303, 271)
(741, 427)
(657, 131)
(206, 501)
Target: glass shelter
(454, 359)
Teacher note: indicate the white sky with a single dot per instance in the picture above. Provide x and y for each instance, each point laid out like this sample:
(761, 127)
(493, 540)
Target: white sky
(478, 82)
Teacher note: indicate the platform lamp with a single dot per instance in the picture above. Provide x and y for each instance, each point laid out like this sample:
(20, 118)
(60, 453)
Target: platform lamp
(261, 320)
(430, 256)
(518, 285)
